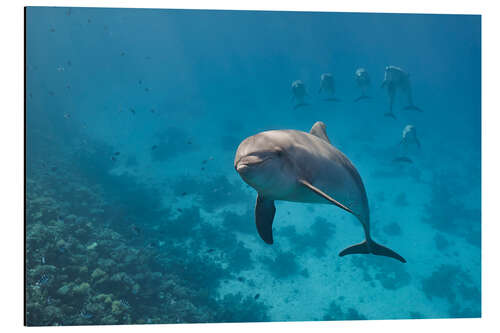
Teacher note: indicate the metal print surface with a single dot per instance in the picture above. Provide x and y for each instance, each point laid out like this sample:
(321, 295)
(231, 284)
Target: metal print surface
(194, 166)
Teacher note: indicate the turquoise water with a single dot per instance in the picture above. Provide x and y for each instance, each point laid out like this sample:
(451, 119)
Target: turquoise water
(135, 213)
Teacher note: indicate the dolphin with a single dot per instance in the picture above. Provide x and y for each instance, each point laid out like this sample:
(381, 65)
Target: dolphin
(327, 84)
(297, 166)
(409, 136)
(363, 82)
(396, 78)
(299, 93)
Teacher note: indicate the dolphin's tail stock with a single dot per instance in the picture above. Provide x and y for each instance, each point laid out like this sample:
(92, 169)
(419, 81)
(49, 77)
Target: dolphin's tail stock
(362, 97)
(300, 105)
(412, 107)
(369, 246)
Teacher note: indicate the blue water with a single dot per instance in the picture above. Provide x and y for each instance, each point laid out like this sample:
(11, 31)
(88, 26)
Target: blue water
(135, 214)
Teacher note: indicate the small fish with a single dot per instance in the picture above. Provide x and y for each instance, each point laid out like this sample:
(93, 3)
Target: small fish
(124, 303)
(256, 297)
(51, 93)
(241, 279)
(153, 111)
(122, 54)
(154, 147)
(85, 315)
(402, 159)
(146, 89)
(202, 169)
(184, 194)
(68, 87)
(140, 81)
(116, 153)
(179, 210)
(189, 142)
(135, 229)
(69, 63)
(113, 158)
(204, 162)
(52, 30)
(43, 260)
(60, 69)
(68, 12)
(132, 110)
(151, 245)
(88, 21)
(31, 96)
(43, 280)
(67, 115)
(210, 250)
(53, 169)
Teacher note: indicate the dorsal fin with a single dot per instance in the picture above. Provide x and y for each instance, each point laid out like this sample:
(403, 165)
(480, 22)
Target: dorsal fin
(319, 130)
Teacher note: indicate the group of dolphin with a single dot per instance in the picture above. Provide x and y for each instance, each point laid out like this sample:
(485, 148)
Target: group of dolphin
(296, 166)
(395, 79)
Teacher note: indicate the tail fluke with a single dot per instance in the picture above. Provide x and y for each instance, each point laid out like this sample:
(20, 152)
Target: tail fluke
(369, 246)
(413, 107)
(361, 98)
(300, 105)
(390, 114)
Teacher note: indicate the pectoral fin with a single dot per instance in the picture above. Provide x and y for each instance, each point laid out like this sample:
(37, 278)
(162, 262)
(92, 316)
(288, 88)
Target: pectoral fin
(324, 195)
(264, 216)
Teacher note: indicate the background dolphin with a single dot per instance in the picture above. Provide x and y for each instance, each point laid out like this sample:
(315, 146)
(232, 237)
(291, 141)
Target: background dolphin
(299, 93)
(304, 167)
(396, 78)
(327, 85)
(409, 136)
(363, 82)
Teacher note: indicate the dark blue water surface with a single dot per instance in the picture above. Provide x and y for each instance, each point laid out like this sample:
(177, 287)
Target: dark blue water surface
(135, 213)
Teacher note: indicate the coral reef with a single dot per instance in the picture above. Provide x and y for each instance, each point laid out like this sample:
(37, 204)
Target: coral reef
(85, 266)
(450, 282)
(244, 223)
(283, 265)
(452, 215)
(389, 273)
(392, 229)
(335, 312)
(316, 239)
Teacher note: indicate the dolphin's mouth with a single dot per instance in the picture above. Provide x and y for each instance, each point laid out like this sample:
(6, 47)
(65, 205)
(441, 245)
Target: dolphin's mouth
(246, 163)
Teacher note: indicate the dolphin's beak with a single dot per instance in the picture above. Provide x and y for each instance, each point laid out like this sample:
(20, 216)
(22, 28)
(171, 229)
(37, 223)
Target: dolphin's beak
(241, 167)
(245, 163)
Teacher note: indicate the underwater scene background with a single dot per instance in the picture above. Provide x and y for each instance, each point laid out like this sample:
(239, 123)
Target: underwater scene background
(135, 213)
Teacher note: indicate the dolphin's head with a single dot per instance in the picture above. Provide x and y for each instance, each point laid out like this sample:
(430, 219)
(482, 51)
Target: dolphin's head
(263, 164)
(408, 131)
